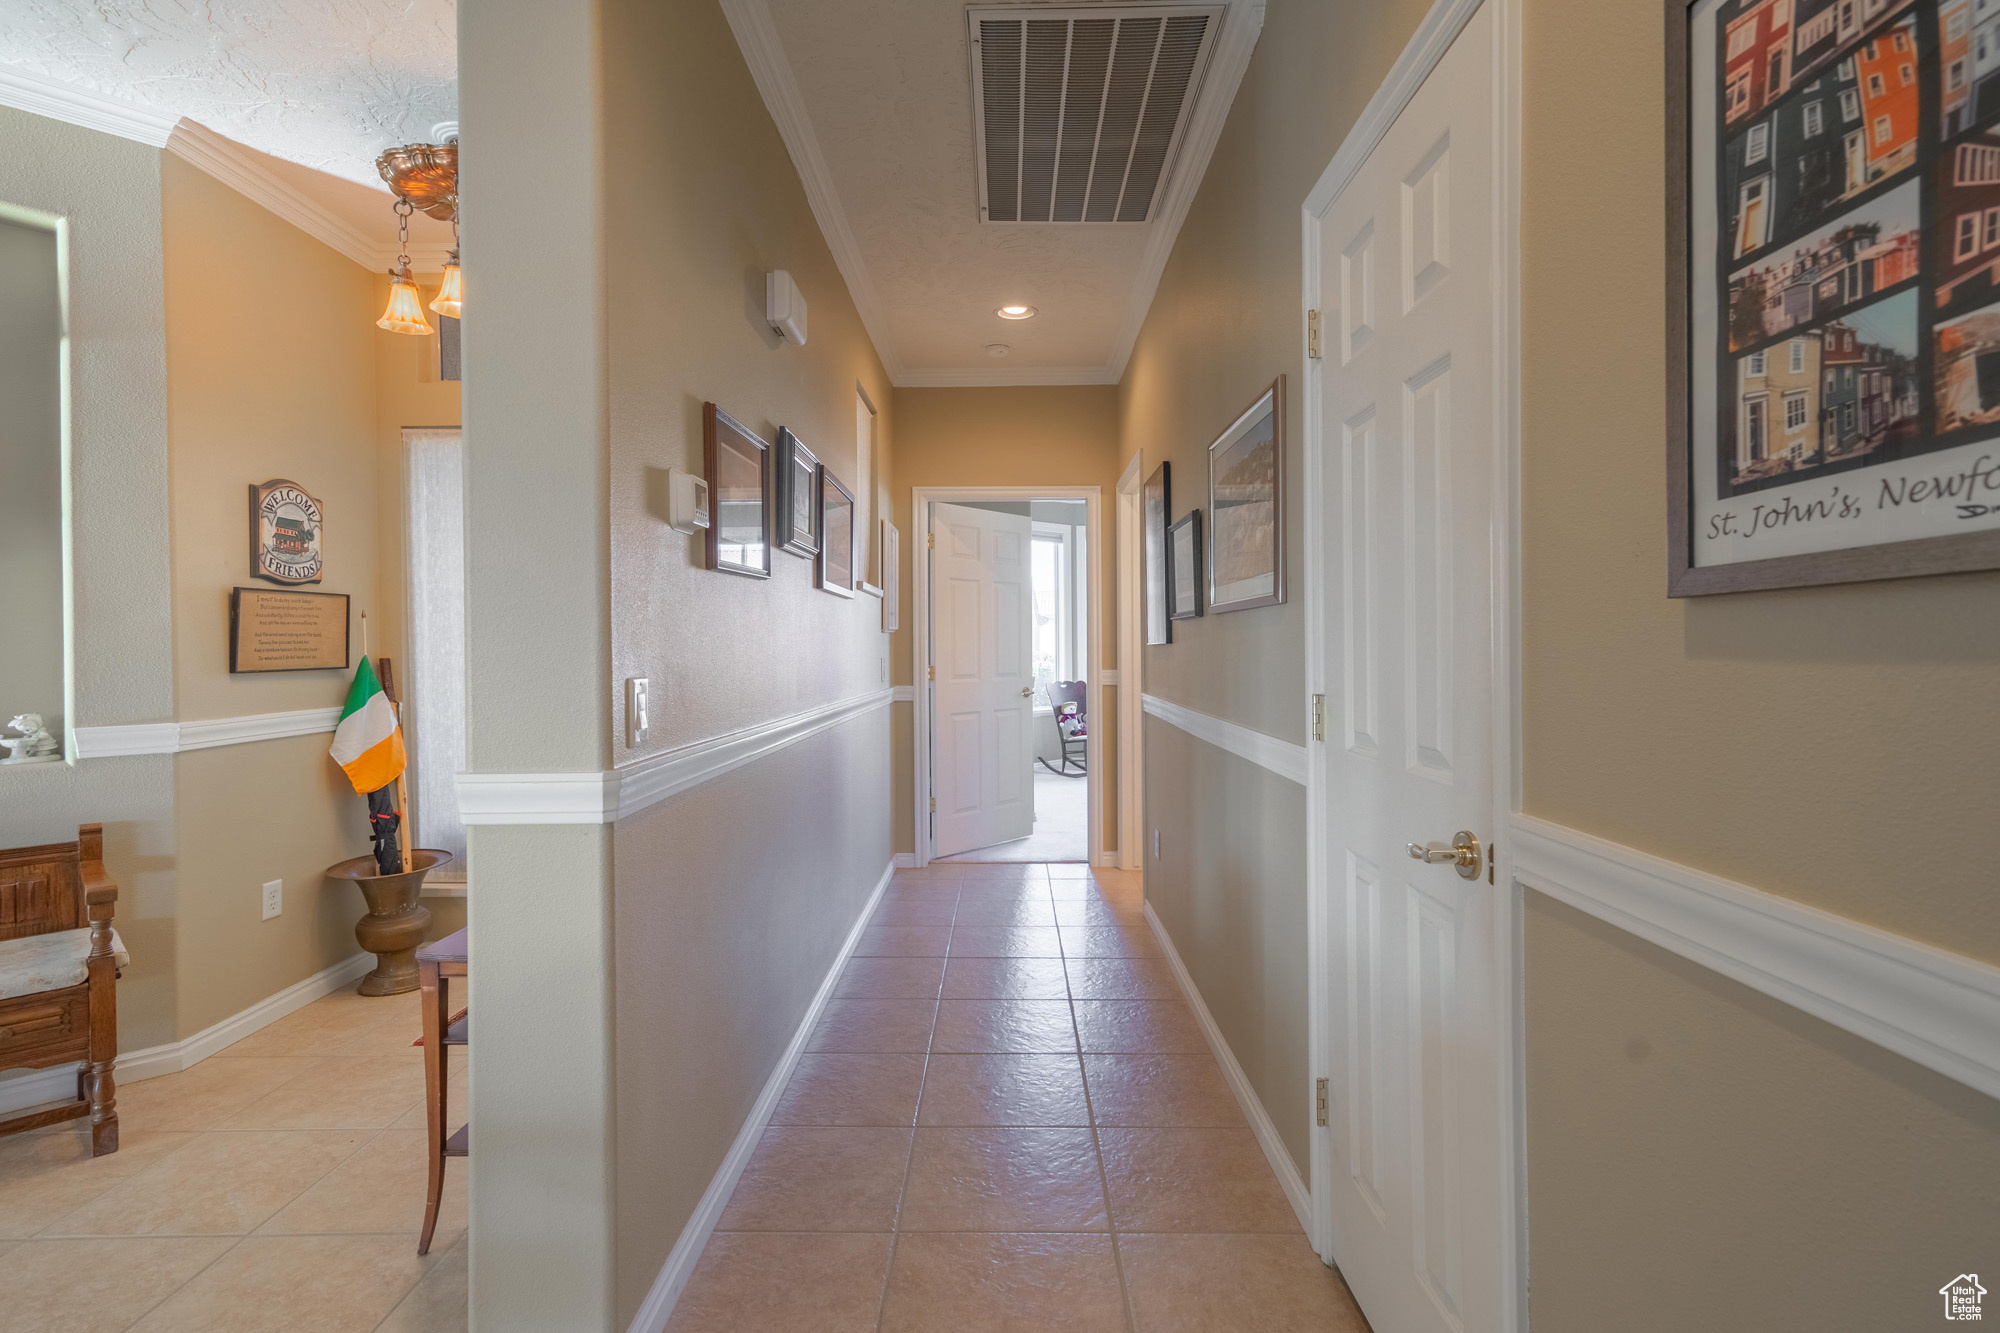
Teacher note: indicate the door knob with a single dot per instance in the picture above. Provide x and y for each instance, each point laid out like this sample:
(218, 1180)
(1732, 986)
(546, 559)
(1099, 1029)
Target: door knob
(1463, 853)
(1028, 692)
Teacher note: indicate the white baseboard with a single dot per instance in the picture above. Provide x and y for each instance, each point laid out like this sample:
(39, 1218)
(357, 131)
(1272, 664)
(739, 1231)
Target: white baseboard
(1108, 858)
(59, 1084)
(1239, 1083)
(906, 861)
(658, 1307)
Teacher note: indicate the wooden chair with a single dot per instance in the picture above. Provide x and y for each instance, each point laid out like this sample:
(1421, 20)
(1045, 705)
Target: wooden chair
(59, 964)
(437, 964)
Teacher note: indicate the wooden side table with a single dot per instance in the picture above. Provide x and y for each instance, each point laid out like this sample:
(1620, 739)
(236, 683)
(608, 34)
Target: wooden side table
(436, 964)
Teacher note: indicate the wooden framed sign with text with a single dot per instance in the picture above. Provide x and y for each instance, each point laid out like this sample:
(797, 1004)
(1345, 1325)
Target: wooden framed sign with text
(1833, 260)
(286, 631)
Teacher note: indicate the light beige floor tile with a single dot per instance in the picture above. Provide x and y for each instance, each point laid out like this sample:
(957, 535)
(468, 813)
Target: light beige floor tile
(1122, 979)
(1005, 910)
(873, 1027)
(340, 1092)
(1095, 912)
(380, 1188)
(439, 1303)
(44, 1177)
(1072, 870)
(902, 942)
(829, 1283)
(1208, 1180)
(294, 1284)
(1160, 1090)
(332, 1026)
(915, 911)
(1163, 1027)
(221, 1184)
(1109, 942)
(1005, 942)
(851, 1090)
(204, 1096)
(1005, 872)
(889, 979)
(457, 1086)
(1003, 1180)
(1003, 1090)
(812, 1179)
(971, 1283)
(1275, 1284)
(1005, 979)
(83, 1286)
(1017, 1027)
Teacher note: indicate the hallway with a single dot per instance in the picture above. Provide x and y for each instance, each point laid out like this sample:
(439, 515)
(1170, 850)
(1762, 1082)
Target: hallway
(1008, 1118)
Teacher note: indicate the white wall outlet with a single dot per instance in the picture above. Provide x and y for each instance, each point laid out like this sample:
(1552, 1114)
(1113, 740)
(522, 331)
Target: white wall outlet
(274, 898)
(637, 724)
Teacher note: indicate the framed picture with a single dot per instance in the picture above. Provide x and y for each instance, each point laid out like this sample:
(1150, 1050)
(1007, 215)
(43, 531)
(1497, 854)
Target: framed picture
(798, 496)
(1833, 269)
(892, 577)
(836, 547)
(286, 530)
(739, 490)
(1246, 507)
(1184, 566)
(1155, 499)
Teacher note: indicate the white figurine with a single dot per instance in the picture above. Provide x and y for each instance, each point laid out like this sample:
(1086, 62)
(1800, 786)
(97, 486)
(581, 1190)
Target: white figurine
(34, 745)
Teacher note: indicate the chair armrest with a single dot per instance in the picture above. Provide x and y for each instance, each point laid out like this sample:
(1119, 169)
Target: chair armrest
(99, 889)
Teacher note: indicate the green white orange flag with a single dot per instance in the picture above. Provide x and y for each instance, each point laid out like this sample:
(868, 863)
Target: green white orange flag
(368, 743)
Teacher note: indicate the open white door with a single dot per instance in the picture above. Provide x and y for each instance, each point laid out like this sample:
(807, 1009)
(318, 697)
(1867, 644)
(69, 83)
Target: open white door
(1407, 459)
(983, 700)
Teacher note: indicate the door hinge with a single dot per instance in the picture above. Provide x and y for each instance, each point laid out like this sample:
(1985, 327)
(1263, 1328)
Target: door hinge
(1312, 334)
(930, 541)
(933, 805)
(1319, 717)
(1319, 1098)
(933, 671)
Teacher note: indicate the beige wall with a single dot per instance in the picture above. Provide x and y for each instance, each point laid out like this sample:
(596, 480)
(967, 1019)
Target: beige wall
(31, 500)
(1042, 436)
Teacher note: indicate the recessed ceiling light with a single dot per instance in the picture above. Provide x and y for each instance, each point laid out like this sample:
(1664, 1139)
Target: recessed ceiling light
(1016, 312)
(997, 349)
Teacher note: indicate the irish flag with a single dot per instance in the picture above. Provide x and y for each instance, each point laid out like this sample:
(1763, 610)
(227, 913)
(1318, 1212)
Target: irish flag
(367, 743)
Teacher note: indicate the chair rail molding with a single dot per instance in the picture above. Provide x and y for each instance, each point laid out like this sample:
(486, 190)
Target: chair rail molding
(1937, 1008)
(605, 797)
(200, 734)
(1285, 758)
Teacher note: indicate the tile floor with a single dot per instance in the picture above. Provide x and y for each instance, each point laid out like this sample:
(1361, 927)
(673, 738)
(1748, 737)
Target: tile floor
(276, 1185)
(1007, 1119)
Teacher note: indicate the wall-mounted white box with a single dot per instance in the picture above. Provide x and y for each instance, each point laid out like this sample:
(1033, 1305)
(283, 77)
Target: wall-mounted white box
(785, 307)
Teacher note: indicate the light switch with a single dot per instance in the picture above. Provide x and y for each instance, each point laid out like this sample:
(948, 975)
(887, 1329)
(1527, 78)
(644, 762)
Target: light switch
(636, 722)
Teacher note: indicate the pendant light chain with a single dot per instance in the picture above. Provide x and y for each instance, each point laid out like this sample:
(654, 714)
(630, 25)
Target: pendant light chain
(403, 210)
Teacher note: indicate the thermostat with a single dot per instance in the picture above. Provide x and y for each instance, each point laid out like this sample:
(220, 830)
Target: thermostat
(687, 502)
(784, 307)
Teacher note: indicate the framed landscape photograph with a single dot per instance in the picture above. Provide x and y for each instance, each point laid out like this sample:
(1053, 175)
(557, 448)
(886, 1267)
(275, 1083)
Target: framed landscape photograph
(739, 485)
(1833, 269)
(891, 567)
(798, 496)
(1184, 566)
(1246, 507)
(1155, 499)
(836, 547)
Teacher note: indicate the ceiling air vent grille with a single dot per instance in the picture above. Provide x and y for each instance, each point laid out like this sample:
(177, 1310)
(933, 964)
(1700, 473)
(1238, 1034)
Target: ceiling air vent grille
(1079, 112)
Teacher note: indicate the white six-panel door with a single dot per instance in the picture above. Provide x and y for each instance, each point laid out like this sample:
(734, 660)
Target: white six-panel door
(1406, 461)
(983, 701)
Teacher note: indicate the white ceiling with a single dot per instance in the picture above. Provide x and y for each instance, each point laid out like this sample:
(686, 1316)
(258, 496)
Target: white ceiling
(874, 98)
(321, 85)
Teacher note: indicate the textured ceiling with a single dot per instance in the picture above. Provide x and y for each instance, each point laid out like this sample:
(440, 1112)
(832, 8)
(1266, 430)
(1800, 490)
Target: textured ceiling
(887, 85)
(327, 84)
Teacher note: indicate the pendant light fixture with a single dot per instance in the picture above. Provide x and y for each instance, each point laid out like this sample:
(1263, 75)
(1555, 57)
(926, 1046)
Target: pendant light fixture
(405, 313)
(422, 176)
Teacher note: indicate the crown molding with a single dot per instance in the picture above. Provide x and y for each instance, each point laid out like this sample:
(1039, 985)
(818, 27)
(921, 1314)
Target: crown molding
(93, 111)
(764, 52)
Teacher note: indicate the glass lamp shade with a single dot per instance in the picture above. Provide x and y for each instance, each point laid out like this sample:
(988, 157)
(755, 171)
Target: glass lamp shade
(451, 292)
(405, 312)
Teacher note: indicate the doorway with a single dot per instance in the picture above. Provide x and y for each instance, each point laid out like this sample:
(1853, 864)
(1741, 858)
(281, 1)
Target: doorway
(1005, 596)
(1411, 419)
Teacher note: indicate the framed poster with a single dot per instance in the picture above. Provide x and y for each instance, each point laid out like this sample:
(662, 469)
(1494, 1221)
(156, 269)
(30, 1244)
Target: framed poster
(1184, 566)
(891, 566)
(739, 489)
(1833, 267)
(271, 630)
(836, 526)
(1154, 500)
(1246, 507)
(286, 530)
(798, 496)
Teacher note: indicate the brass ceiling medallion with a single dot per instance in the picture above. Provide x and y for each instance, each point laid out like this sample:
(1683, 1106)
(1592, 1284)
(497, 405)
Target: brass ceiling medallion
(422, 176)
(426, 174)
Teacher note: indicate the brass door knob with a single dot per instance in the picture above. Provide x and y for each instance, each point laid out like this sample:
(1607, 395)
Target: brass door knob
(1028, 692)
(1463, 853)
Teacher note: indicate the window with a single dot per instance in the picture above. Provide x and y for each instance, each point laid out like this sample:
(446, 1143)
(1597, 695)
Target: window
(1869, 54)
(1739, 93)
(1902, 41)
(434, 677)
(1992, 236)
(1967, 244)
(1850, 104)
(1752, 222)
(1795, 413)
(1756, 365)
(32, 665)
(1798, 356)
(1908, 73)
(1815, 120)
(1777, 81)
(1742, 37)
(1847, 67)
(1059, 573)
(866, 554)
(1883, 129)
(1875, 85)
(1754, 410)
(1954, 27)
(1757, 144)
(1977, 164)
(1954, 76)
(1847, 409)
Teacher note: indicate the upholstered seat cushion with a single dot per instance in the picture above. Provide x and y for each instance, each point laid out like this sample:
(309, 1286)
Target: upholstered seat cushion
(55, 961)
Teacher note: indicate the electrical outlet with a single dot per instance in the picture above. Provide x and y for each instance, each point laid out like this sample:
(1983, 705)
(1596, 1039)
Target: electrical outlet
(636, 722)
(274, 898)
